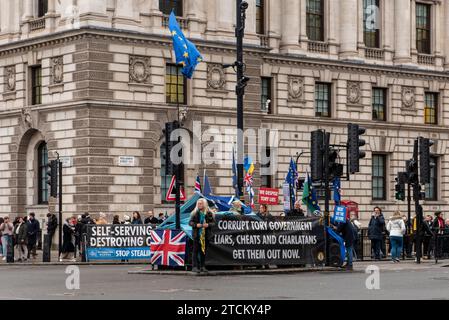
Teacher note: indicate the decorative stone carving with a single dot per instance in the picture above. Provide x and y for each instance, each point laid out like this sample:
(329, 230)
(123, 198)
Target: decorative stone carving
(215, 77)
(354, 93)
(27, 119)
(10, 78)
(139, 69)
(295, 88)
(408, 97)
(57, 70)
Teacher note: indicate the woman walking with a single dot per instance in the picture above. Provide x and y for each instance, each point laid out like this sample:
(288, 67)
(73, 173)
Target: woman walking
(396, 228)
(201, 221)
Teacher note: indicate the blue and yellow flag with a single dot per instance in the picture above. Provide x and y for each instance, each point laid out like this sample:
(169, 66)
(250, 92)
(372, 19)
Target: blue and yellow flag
(187, 55)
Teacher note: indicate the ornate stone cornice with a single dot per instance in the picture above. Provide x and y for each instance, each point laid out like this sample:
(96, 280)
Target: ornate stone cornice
(223, 48)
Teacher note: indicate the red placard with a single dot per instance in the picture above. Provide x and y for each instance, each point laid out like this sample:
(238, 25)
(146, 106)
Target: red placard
(268, 196)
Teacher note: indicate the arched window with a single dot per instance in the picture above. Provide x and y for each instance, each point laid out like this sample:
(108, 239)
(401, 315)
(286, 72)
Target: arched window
(166, 7)
(42, 165)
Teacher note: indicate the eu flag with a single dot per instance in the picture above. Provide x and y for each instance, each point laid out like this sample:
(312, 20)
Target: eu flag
(187, 55)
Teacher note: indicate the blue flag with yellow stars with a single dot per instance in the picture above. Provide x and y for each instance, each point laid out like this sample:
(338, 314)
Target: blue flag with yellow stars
(187, 55)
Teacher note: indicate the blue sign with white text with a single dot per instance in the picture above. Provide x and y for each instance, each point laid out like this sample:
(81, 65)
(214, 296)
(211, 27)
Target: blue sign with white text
(118, 254)
(340, 214)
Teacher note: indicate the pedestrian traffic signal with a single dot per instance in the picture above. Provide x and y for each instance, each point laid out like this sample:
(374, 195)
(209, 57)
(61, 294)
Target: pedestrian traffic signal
(335, 169)
(354, 144)
(400, 186)
(52, 177)
(425, 164)
(169, 144)
(317, 155)
(412, 171)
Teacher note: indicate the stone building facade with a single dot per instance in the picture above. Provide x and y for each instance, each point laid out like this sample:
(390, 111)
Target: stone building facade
(88, 80)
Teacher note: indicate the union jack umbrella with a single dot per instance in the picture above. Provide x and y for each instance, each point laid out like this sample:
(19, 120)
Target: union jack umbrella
(168, 248)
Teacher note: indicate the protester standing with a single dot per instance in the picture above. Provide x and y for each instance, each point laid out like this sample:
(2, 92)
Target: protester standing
(126, 219)
(296, 211)
(428, 235)
(136, 218)
(52, 224)
(264, 214)
(162, 218)
(375, 231)
(446, 240)
(357, 226)
(68, 240)
(1, 246)
(21, 240)
(151, 219)
(346, 230)
(116, 220)
(396, 228)
(201, 221)
(7, 230)
(237, 208)
(102, 219)
(33, 228)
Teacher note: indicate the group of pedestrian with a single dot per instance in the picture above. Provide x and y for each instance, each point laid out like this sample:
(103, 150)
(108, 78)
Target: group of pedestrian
(22, 234)
(403, 235)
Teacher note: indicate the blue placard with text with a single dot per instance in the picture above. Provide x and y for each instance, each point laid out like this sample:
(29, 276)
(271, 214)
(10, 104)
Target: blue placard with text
(340, 214)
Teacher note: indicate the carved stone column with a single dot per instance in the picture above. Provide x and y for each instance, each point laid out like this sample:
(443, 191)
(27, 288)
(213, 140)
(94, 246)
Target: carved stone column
(348, 28)
(290, 26)
(403, 31)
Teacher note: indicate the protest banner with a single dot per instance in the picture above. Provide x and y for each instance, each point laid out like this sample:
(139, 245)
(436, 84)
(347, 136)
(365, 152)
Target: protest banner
(237, 241)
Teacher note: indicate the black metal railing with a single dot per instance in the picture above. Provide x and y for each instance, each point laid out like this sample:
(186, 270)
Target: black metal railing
(436, 246)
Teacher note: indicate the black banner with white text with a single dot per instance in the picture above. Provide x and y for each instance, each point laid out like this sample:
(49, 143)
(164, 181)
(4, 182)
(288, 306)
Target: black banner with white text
(243, 240)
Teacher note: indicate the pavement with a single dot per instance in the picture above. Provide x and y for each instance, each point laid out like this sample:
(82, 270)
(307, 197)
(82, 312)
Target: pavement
(97, 282)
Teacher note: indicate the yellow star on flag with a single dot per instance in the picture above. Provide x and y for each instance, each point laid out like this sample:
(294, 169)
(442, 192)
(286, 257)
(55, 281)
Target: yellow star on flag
(186, 54)
(174, 33)
(182, 63)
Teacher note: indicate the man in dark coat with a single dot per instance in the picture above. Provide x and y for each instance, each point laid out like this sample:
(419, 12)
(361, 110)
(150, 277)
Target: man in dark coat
(375, 231)
(32, 230)
(52, 225)
(347, 231)
(151, 219)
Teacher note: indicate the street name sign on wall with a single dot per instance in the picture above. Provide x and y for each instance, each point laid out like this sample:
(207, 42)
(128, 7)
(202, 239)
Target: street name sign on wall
(125, 161)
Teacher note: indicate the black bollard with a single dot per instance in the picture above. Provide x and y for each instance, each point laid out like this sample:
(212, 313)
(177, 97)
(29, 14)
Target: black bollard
(46, 250)
(10, 255)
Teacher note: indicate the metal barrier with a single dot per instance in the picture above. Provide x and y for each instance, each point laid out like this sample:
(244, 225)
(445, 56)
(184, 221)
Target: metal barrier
(436, 246)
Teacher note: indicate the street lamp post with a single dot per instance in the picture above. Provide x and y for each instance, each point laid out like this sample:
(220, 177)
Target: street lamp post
(242, 81)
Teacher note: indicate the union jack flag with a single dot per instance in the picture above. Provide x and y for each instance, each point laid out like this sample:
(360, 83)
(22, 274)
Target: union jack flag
(198, 185)
(168, 248)
(249, 180)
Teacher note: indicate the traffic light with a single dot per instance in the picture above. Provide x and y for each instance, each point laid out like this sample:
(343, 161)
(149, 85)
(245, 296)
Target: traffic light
(317, 155)
(400, 186)
(52, 178)
(354, 144)
(425, 164)
(335, 169)
(412, 171)
(169, 128)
